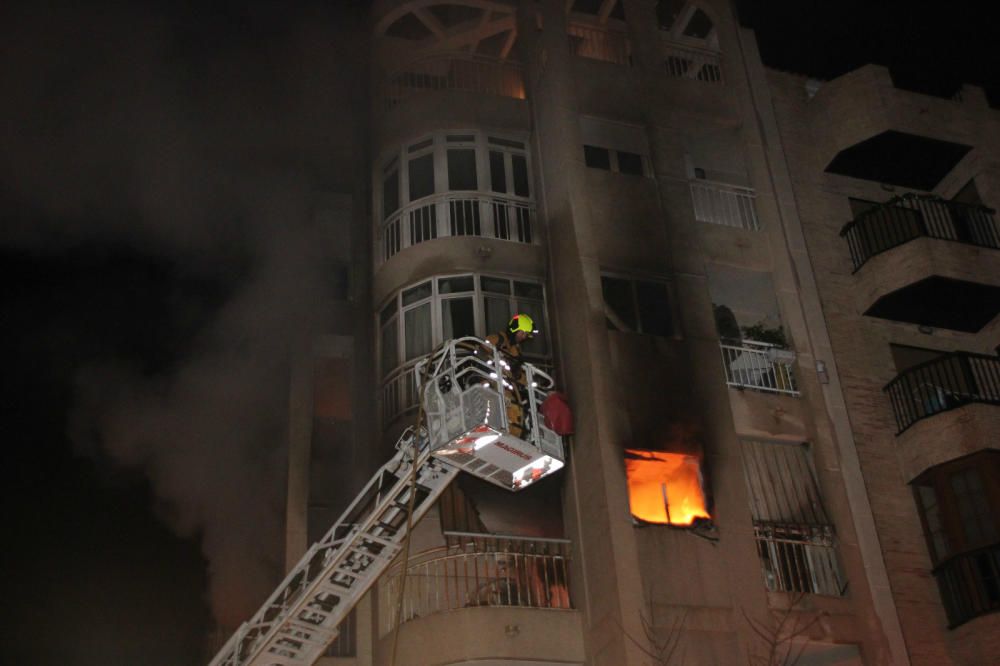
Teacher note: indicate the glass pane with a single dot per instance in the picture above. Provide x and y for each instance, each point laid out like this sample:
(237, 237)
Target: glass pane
(497, 314)
(461, 138)
(654, 308)
(421, 177)
(667, 12)
(462, 170)
(390, 348)
(699, 26)
(417, 331)
(458, 318)
(455, 284)
(498, 177)
(387, 312)
(618, 299)
(597, 158)
(528, 290)
(629, 163)
(495, 285)
(540, 343)
(519, 168)
(417, 293)
(390, 193)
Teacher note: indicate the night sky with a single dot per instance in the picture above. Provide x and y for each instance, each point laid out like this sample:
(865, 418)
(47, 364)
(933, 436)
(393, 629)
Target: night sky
(156, 261)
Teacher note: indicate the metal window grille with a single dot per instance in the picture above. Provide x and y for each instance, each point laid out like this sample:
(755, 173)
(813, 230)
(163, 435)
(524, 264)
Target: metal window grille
(346, 643)
(795, 536)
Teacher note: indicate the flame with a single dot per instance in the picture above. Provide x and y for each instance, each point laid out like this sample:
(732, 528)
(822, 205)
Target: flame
(653, 474)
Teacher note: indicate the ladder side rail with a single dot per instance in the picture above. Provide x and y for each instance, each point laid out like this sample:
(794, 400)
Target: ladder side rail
(298, 579)
(367, 573)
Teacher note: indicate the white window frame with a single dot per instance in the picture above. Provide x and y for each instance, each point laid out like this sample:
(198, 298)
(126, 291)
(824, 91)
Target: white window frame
(436, 298)
(439, 200)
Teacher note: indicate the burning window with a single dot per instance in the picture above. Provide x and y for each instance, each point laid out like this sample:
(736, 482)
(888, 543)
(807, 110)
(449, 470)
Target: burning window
(665, 488)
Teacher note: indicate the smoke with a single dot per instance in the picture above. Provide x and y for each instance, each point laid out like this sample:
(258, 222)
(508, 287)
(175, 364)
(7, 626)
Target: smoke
(203, 139)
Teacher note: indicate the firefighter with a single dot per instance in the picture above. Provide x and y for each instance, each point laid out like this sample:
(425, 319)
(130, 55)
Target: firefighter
(520, 329)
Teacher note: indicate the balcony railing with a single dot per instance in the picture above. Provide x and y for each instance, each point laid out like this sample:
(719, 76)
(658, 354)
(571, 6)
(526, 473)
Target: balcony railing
(758, 365)
(912, 216)
(686, 62)
(479, 570)
(454, 71)
(941, 384)
(399, 392)
(728, 205)
(970, 584)
(599, 43)
(450, 214)
(799, 558)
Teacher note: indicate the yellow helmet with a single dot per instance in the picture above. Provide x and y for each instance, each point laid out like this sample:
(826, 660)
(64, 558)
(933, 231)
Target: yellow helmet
(521, 322)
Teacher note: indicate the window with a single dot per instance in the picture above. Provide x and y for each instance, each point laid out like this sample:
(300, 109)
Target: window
(700, 26)
(597, 158)
(614, 146)
(462, 169)
(422, 316)
(629, 163)
(488, 179)
(686, 23)
(638, 306)
(795, 536)
(667, 12)
(959, 504)
(619, 161)
(421, 177)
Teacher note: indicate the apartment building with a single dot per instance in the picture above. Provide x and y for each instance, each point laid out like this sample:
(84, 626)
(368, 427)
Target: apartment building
(770, 301)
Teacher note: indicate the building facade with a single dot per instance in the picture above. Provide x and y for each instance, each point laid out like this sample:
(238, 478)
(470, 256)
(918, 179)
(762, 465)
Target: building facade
(769, 299)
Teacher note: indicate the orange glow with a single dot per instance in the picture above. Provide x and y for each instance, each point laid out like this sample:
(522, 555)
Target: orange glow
(651, 474)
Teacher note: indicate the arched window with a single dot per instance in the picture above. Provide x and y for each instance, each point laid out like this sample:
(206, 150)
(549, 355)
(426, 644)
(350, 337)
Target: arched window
(686, 22)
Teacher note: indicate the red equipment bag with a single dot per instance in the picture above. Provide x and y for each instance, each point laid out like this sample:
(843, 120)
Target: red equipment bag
(558, 415)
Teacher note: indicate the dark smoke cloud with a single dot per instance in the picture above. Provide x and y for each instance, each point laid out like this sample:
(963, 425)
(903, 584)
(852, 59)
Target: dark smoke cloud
(202, 138)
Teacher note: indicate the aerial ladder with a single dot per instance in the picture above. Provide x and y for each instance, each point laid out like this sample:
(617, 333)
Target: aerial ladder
(465, 388)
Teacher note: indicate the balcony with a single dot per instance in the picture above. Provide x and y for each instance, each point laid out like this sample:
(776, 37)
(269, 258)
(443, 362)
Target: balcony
(683, 61)
(599, 43)
(759, 366)
(970, 584)
(450, 214)
(724, 204)
(911, 216)
(479, 570)
(906, 273)
(942, 384)
(462, 72)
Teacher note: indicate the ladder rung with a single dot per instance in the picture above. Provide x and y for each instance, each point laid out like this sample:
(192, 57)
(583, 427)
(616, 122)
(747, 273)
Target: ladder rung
(378, 539)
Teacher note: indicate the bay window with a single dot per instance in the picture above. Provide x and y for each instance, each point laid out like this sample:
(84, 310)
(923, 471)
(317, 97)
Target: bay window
(959, 503)
(418, 318)
(455, 184)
